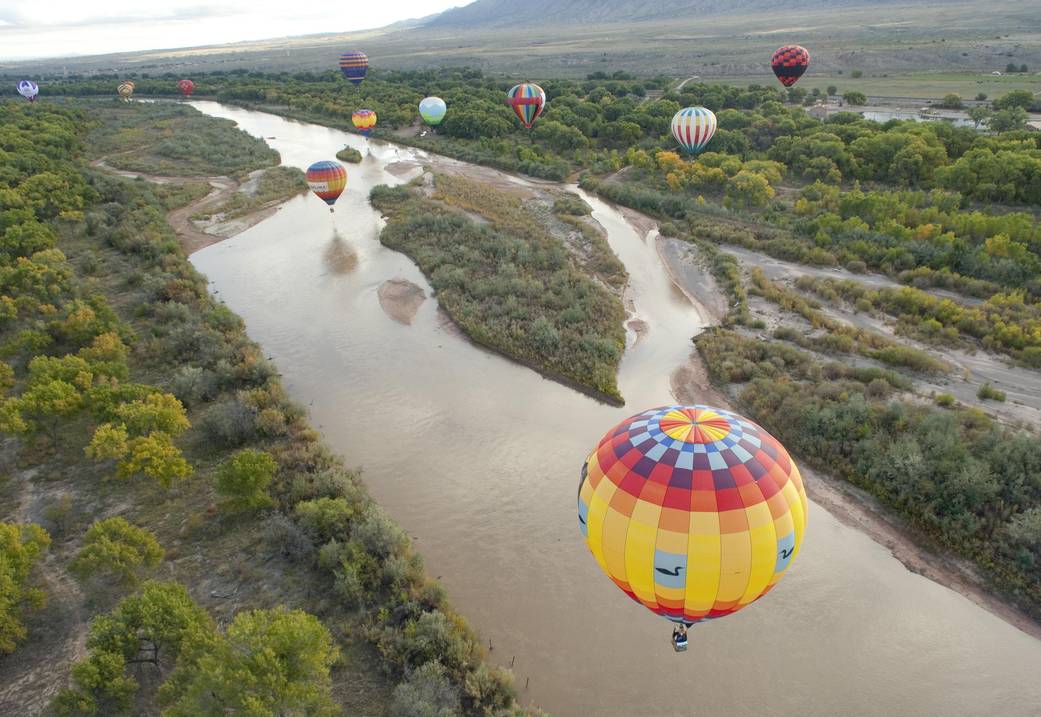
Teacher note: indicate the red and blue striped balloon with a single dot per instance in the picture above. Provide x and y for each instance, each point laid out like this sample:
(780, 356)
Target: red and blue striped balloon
(354, 65)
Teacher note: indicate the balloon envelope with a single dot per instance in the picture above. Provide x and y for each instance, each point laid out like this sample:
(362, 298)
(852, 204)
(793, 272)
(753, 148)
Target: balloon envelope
(354, 65)
(126, 89)
(694, 128)
(789, 63)
(186, 87)
(433, 110)
(364, 121)
(327, 180)
(28, 89)
(693, 511)
(527, 100)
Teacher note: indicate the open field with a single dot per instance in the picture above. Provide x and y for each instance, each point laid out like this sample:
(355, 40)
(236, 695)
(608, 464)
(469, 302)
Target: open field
(880, 86)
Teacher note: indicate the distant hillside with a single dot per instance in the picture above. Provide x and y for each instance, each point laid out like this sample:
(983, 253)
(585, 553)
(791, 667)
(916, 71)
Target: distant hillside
(499, 13)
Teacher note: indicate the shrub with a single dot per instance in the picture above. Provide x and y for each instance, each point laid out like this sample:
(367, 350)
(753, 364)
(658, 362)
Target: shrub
(946, 400)
(989, 393)
(325, 518)
(349, 154)
(244, 479)
(426, 692)
(289, 538)
(60, 516)
(230, 423)
(193, 385)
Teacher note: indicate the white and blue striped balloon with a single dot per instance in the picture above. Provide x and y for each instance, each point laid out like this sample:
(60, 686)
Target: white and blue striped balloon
(693, 128)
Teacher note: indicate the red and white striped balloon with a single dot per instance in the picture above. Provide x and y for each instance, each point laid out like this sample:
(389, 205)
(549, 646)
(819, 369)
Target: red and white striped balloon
(693, 128)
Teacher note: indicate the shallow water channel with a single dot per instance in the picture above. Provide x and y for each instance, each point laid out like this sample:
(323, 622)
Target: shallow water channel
(478, 459)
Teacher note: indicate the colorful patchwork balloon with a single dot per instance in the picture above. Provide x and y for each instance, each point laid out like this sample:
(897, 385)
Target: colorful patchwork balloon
(789, 63)
(527, 100)
(28, 89)
(693, 128)
(433, 110)
(327, 180)
(126, 90)
(364, 121)
(354, 65)
(186, 87)
(694, 512)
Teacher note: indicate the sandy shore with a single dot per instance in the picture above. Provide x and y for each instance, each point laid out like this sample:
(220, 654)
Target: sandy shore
(193, 238)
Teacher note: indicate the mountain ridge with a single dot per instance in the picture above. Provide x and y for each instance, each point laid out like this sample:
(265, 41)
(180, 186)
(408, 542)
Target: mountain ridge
(503, 13)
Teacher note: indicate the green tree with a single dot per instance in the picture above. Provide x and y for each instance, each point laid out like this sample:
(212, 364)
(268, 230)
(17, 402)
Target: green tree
(160, 623)
(113, 548)
(1023, 99)
(749, 189)
(952, 102)
(158, 412)
(1009, 120)
(979, 115)
(832, 90)
(271, 662)
(981, 97)
(47, 403)
(855, 98)
(21, 547)
(244, 479)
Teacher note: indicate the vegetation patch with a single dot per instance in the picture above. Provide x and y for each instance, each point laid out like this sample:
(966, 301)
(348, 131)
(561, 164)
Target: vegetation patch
(141, 403)
(349, 154)
(510, 285)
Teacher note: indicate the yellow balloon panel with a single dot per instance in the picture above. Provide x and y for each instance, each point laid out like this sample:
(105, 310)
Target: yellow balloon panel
(694, 512)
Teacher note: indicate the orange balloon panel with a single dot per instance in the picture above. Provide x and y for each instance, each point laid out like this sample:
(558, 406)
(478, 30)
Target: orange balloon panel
(693, 511)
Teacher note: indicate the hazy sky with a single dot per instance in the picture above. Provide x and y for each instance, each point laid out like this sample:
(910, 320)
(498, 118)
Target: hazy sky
(57, 28)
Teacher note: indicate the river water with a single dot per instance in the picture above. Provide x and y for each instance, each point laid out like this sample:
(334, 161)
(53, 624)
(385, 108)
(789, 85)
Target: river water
(478, 459)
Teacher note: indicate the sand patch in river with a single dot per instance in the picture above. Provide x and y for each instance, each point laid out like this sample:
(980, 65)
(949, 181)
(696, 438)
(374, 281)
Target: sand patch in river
(401, 299)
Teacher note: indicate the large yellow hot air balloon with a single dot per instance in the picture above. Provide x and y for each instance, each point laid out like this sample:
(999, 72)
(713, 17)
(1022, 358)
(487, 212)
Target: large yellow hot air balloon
(126, 90)
(694, 512)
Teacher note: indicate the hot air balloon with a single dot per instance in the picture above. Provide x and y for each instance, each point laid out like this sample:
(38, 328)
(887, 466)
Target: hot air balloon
(527, 100)
(433, 110)
(789, 63)
(28, 89)
(693, 128)
(126, 90)
(364, 121)
(186, 87)
(694, 512)
(354, 65)
(327, 180)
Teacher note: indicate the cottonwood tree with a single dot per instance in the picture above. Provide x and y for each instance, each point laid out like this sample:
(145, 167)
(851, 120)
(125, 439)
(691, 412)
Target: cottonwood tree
(140, 439)
(156, 626)
(21, 547)
(113, 548)
(270, 662)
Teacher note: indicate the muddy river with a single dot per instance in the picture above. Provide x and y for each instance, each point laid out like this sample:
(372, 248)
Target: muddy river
(478, 459)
